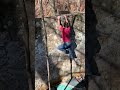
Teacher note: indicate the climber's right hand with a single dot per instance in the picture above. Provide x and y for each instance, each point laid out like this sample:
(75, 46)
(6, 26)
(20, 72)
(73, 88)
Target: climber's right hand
(58, 17)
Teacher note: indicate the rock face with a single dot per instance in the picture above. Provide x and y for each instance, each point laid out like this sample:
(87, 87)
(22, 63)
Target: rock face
(107, 13)
(13, 72)
(59, 62)
(53, 7)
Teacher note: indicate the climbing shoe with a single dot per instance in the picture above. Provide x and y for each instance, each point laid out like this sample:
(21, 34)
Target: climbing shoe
(66, 52)
(72, 57)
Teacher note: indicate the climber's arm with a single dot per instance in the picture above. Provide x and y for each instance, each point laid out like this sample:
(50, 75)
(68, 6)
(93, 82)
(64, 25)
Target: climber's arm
(58, 21)
(66, 18)
(59, 25)
(73, 20)
(67, 22)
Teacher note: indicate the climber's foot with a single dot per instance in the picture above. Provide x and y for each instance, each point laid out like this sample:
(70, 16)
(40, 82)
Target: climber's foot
(66, 52)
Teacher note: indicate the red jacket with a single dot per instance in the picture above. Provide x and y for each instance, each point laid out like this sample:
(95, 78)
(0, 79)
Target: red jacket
(65, 33)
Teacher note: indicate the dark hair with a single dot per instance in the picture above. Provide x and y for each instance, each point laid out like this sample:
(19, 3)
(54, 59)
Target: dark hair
(64, 23)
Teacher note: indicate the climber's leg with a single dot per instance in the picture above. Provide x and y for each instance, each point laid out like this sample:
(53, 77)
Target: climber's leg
(71, 50)
(72, 53)
(61, 47)
(67, 45)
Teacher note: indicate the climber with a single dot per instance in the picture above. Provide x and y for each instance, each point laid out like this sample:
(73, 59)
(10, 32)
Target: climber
(64, 27)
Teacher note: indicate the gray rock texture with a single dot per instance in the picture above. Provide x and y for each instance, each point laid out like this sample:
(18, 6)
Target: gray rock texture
(53, 7)
(107, 59)
(13, 71)
(13, 74)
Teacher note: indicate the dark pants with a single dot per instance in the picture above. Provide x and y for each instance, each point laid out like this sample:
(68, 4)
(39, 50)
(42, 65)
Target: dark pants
(67, 48)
